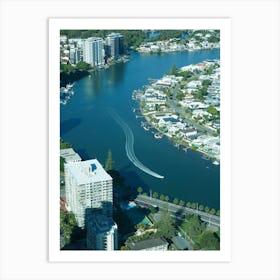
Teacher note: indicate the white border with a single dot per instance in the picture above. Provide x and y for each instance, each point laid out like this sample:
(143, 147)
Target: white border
(55, 254)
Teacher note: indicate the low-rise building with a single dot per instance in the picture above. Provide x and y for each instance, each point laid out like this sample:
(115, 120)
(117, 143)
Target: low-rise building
(152, 244)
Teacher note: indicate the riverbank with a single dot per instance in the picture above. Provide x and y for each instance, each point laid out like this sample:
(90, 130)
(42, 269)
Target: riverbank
(185, 107)
(71, 77)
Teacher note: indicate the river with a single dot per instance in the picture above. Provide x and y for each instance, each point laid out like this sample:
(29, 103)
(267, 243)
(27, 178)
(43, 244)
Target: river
(87, 122)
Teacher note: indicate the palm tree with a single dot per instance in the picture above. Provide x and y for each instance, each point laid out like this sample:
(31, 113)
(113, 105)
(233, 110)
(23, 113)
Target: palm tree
(175, 201)
(201, 207)
(193, 205)
(181, 203)
(162, 197)
(189, 204)
(139, 190)
(155, 195)
(212, 211)
(166, 198)
(206, 209)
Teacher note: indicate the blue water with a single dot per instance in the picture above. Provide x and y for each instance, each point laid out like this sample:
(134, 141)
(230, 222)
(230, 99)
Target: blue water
(87, 124)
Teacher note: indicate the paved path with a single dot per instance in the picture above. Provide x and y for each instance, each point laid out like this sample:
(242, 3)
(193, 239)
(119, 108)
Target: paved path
(178, 210)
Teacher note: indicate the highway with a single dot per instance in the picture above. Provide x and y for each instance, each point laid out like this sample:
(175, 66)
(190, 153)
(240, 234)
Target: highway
(177, 210)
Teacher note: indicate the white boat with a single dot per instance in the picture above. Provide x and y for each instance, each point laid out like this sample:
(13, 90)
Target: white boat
(158, 135)
(215, 162)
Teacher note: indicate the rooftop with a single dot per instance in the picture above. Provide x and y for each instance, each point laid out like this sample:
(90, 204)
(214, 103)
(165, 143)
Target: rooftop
(87, 171)
(69, 155)
(147, 243)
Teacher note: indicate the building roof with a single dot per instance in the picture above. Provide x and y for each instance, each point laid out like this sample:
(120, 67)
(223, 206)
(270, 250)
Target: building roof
(69, 155)
(88, 171)
(147, 243)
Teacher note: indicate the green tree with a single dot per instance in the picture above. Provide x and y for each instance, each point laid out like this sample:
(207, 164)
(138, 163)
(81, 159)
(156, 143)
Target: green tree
(201, 207)
(155, 195)
(193, 205)
(172, 70)
(139, 190)
(212, 211)
(175, 201)
(162, 197)
(193, 225)
(166, 198)
(209, 241)
(218, 213)
(166, 225)
(206, 209)
(109, 161)
(181, 203)
(189, 204)
(83, 66)
(212, 110)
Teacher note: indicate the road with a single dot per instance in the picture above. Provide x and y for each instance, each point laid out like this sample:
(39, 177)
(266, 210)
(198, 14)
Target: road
(179, 211)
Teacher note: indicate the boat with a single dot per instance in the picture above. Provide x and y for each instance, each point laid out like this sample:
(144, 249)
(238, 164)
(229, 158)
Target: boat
(146, 127)
(158, 135)
(215, 162)
(205, 157)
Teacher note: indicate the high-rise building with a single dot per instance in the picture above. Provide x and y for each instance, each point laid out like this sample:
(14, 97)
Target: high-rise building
(88, 186)
(114, 46)
(102, 232)
(93, 51)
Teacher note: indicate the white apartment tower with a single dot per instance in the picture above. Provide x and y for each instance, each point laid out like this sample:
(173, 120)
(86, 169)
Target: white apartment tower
(102, 233)
(88, 186)
(93, 51)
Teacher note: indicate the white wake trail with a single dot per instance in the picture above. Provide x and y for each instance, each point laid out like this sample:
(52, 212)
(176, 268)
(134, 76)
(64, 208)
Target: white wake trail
(129, 145)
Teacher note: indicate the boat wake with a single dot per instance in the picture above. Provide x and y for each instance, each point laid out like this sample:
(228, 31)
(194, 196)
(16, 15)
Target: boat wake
(129, 145)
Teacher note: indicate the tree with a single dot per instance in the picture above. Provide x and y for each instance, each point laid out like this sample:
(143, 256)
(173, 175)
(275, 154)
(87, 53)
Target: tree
(201, 207)
(212, 211)
(212, 110)
(83, 66)
(172, 70)
(189, 204)
(193, 205)
(166, 198)
(166, 225)
(209, 241)
(175, 201)
(193, 225)
(218, 213)
(181, 203)
(139, 190)
(155, 195)
(162, 197)
(206, 209)
(109, 161)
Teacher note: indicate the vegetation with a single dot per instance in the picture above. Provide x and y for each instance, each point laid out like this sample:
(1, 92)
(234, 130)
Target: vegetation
(109, 161)
(70, 230)
(64, 145)
(139, 190)
(212, 110)
(173, 70)
(166, 225)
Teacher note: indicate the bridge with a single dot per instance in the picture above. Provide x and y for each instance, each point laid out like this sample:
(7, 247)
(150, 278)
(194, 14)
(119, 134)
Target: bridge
(177, 210)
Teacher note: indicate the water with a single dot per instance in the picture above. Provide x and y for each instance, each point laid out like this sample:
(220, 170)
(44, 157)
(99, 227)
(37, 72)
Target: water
(86, 122)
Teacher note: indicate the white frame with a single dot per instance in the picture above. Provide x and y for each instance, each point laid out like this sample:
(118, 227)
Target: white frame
(224, 254)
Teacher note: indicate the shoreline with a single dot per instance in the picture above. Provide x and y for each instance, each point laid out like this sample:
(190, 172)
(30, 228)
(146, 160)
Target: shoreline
(182, 143)
(151, 119)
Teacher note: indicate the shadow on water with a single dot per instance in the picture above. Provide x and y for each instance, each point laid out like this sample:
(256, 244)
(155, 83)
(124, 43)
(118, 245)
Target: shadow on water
(83, 154)
(68, 125)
